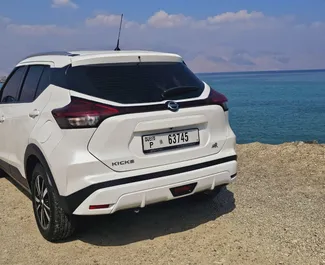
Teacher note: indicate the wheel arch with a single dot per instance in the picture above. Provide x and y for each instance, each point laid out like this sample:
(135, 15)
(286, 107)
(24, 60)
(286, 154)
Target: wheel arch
(34, 155)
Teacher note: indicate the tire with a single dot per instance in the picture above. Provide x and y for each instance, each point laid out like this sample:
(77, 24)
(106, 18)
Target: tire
(53, 223)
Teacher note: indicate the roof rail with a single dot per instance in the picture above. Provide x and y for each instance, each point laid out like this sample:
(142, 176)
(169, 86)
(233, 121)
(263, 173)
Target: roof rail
(59, 53)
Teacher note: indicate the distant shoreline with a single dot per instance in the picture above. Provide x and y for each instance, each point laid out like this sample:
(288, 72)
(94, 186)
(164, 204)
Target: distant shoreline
(257, 72)
(264, 71)
(298, 143)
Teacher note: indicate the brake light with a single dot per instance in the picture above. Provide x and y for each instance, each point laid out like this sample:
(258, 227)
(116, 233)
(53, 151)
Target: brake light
(97, 207)
(218, 98)
(81, 113)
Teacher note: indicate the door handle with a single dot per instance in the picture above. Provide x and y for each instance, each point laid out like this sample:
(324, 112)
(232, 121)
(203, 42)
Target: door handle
(2, 119)
(34, 114)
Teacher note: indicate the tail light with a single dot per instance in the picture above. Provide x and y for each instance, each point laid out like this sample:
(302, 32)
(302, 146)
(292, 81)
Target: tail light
(81, 113)
(97, 207)
(218, 99)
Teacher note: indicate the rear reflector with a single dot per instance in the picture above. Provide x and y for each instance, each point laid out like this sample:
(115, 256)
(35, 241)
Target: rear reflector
(183, 190)
(96, 207)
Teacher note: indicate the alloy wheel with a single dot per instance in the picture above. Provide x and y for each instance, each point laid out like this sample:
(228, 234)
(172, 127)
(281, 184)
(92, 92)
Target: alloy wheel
(42, 204)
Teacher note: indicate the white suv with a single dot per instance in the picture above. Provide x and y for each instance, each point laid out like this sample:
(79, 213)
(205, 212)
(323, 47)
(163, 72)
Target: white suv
(95, 132)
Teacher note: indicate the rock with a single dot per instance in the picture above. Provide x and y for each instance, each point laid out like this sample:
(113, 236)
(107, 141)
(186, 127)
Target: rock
(311, 142)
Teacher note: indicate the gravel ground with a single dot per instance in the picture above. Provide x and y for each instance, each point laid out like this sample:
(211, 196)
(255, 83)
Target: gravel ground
(273, 214)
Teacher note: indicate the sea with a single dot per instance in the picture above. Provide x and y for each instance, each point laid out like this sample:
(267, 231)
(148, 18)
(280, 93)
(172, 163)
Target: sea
(273, 107)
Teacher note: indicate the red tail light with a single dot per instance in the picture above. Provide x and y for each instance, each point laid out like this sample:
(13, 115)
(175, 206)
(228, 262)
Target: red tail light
(81, 113)
(218, 98)
(97, 207)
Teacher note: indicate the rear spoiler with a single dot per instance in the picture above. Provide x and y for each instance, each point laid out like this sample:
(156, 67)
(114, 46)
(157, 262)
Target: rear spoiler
(123, 58)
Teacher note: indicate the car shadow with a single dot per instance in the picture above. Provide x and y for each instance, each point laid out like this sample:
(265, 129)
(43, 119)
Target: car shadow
(176, 216)
(16, 184)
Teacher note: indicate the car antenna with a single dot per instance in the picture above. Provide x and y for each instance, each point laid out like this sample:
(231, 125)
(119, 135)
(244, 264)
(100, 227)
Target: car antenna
(119, 34)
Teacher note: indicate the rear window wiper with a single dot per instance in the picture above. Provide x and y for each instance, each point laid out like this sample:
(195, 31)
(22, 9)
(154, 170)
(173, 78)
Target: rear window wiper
(178, 90)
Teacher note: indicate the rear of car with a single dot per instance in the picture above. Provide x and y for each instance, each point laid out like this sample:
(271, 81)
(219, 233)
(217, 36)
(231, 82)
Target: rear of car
(109, 131)
(138, 130)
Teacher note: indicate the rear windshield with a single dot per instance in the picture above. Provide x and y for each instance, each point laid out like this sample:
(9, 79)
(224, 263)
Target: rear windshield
(134, 83)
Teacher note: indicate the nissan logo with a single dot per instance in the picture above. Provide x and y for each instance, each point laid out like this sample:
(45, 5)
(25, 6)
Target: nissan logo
(173, 106)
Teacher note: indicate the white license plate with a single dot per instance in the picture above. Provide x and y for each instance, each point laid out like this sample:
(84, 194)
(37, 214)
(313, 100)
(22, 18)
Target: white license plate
(171, 140)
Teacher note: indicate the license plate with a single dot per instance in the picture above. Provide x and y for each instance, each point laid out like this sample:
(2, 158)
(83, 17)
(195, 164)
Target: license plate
(171, 140)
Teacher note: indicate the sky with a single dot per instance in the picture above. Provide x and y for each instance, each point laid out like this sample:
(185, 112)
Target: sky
(211, 35)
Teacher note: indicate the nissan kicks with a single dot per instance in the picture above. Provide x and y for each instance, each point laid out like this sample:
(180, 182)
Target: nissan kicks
(96, 132)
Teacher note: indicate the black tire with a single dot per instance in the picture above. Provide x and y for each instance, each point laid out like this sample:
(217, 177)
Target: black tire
(53, 223)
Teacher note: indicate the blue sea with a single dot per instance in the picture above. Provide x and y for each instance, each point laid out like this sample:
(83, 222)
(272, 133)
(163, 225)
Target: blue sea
(274, 107)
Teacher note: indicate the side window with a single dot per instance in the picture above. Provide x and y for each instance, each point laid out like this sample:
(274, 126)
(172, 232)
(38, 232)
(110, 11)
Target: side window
(30, 85)
(44, 81)
(11, 90)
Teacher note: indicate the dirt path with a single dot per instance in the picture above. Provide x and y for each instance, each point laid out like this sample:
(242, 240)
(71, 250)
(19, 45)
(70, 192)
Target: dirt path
(273, 214)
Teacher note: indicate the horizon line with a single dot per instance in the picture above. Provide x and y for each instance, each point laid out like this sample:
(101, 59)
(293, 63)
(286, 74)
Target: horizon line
(264, 71)
(252, 71)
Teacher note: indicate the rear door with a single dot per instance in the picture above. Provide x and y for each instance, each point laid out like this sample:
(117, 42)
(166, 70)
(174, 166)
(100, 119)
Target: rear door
(22, 116)
(152, 127)
(9, 96)
(3, 152)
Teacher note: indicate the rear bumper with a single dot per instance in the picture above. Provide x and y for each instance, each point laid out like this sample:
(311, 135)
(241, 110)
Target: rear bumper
(141, 190)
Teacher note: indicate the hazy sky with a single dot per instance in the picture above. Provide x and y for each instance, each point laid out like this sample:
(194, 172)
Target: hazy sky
(212, 35)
